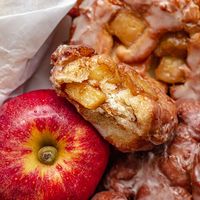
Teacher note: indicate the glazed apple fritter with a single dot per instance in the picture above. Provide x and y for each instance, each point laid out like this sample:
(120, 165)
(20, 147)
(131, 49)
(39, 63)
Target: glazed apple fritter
(129, 110)
(168, 173)
(134, 31)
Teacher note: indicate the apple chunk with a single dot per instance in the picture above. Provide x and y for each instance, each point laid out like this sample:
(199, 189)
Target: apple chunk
(104, 72)
(172, 70)
(127, 27)
(86, 95)
(47, 150)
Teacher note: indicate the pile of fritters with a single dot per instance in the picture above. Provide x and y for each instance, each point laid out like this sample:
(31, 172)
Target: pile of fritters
(132, 69)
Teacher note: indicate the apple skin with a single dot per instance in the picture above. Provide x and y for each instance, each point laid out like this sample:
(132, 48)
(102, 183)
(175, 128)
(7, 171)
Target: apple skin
(40, 118)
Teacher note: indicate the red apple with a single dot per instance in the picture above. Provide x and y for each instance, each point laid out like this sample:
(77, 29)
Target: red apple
(47, 150)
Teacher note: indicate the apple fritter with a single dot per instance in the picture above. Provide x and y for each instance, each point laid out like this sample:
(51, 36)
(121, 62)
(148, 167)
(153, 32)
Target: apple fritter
(133, 31)
(169, 172)
(129, 110)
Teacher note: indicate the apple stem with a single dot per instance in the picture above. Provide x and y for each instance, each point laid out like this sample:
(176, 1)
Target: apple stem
(47, 155)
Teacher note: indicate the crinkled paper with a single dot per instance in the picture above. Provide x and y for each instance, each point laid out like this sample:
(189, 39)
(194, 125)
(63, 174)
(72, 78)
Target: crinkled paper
(29, 32)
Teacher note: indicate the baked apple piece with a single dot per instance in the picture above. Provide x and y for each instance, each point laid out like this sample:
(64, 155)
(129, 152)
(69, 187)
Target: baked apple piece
(131, 111)
(131, 27)
(172, 70)
(173, 44)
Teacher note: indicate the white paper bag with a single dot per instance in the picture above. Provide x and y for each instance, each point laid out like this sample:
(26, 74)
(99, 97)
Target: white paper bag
(27, 38)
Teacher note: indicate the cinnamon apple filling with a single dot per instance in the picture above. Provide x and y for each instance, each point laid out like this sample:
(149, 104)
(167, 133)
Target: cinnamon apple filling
(129, 110)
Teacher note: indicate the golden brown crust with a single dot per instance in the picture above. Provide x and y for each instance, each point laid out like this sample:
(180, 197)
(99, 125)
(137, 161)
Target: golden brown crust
(65, 55)
(131, 111)
(109, 195)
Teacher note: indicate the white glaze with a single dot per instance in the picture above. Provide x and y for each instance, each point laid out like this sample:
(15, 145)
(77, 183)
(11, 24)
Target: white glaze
(161, 15)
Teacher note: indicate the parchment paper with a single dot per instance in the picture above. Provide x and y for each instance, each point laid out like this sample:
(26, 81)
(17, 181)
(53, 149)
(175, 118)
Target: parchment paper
(29, 32)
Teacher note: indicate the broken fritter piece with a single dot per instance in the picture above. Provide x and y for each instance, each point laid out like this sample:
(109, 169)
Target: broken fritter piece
(130, 111)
